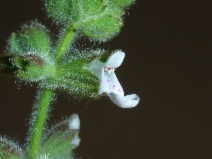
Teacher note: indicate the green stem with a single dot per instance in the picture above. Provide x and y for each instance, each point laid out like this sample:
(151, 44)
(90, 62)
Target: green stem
(64, 43)
(39, 122)
(45, 97)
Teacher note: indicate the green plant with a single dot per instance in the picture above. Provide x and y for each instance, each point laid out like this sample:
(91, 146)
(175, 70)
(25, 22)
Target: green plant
(33, 56)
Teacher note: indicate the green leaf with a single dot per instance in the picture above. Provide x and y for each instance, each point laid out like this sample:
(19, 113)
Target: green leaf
(60, 140)
(120, 3)
(62, 10)
(99, 20)
(105, 26)
(92, 8)
(10, 150)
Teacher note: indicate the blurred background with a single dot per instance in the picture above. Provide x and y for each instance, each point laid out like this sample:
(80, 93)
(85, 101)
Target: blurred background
(168, 46)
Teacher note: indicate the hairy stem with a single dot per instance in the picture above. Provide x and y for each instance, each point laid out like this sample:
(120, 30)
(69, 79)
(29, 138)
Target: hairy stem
(45, 97)
(64, 43)
(42, 106)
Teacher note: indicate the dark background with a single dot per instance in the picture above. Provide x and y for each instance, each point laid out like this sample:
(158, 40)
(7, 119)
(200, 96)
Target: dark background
(168, 65)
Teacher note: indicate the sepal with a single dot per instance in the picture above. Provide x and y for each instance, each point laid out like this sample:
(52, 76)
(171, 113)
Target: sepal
(60, 140)
(34, 69)
(28, 67)
(32, 39)
(7, 65)
(28, 53)
(74, 78)
(10, 150)
(14, 45)
(71, 75)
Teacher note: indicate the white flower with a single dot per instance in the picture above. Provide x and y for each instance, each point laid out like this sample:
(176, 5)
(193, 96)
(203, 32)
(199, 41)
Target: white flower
(109, 83)
(74, 122)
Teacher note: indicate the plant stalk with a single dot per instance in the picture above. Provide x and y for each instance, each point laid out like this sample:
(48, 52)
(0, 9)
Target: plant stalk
(45, 97)
(64, 43)
(39, 122)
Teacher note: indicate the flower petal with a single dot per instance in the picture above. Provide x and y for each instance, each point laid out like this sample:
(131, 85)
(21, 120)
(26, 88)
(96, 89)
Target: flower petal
(114, 85)
(96, 68)
(115, 60)
(104, 84)
(74, 122)
(127, 101)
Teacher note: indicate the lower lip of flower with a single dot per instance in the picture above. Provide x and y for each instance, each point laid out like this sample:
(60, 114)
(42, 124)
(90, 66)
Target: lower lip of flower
(109, 69)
